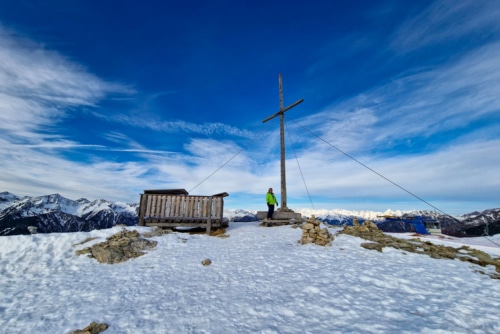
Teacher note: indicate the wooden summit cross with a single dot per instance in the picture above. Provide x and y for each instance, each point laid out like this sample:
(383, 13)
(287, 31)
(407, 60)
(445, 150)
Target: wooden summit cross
(281, 113)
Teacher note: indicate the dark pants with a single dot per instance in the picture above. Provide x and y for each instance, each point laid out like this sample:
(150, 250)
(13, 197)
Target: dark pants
(270, 211)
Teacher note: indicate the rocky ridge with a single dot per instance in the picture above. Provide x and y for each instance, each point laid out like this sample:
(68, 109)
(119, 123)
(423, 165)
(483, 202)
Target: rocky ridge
(55, 213)
(379, 240)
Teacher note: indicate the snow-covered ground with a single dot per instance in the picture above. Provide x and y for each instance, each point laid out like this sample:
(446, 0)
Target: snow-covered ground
(261, 280)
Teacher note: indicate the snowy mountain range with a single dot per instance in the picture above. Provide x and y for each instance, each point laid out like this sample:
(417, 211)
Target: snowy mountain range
(55, 213)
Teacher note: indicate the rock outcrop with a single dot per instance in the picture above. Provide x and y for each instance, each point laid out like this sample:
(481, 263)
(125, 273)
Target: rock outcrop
(119, 247)
(369, 231)
(93, 328)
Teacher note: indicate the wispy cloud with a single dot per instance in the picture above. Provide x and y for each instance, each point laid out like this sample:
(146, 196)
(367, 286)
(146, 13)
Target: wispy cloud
(39, 87)
(29, 70)
(387, 127)
(60, 145)
(176, 126)
(433, 101)
(453, 103)
(448, 21)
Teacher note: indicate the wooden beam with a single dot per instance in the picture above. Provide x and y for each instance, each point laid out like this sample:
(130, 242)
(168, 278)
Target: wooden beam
(209, 222)
(281, 113)
(285, 109)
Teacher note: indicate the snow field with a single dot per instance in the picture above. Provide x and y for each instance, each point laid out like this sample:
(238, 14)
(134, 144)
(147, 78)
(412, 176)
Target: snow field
(261, 280)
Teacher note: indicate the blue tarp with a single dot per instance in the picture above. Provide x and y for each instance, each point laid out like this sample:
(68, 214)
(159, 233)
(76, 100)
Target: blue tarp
(416, 221)
(419, 227)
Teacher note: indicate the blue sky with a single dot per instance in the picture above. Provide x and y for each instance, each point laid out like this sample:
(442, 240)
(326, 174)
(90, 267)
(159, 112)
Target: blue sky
(103, 99)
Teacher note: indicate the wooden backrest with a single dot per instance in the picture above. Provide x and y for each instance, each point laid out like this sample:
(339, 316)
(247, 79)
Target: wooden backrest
(175, 206)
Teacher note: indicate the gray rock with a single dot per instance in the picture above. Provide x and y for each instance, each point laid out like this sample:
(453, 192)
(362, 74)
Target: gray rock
(120, 247)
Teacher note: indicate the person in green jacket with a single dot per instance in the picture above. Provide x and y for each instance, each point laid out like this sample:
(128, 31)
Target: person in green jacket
(271, 201)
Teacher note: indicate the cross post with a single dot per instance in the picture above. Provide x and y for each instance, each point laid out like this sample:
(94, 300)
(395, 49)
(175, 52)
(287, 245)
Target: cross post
(281, 113)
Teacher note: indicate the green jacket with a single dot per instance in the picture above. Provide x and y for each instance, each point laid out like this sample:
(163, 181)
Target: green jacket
(271, 199)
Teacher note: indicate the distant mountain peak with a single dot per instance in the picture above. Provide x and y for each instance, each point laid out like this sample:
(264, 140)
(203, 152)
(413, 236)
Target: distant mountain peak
(55, 213)
(6, 194)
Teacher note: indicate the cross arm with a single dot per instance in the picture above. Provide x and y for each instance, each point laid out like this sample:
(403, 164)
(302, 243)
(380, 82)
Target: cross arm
(283, 110)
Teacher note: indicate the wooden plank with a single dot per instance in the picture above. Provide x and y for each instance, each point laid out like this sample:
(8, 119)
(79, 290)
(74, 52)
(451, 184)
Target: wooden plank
(150, 206)
(146, 204)
(213, 209)
(198, 207)
(173, 200)
(209, 222)
(149, 199)
(163, 200)
(205, 208)
(185, 202)
(221, 208)
(142, 209)
(217, 207)
(168, 206)
(184, 206)
(181, 201)
(201, 207)
(166, 192)
(192, 207)
(177, 206)
(154, 200)
(158, 207)
(187, 206)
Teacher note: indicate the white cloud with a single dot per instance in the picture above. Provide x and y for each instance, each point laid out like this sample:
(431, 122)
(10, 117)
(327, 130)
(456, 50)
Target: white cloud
(433, 101)
(38, 87)
(467, 172)
(176, 126)
(445, 21)
(34, 171)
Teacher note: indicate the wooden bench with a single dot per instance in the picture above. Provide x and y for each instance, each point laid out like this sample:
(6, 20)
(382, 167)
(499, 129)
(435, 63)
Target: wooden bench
(175, 208)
